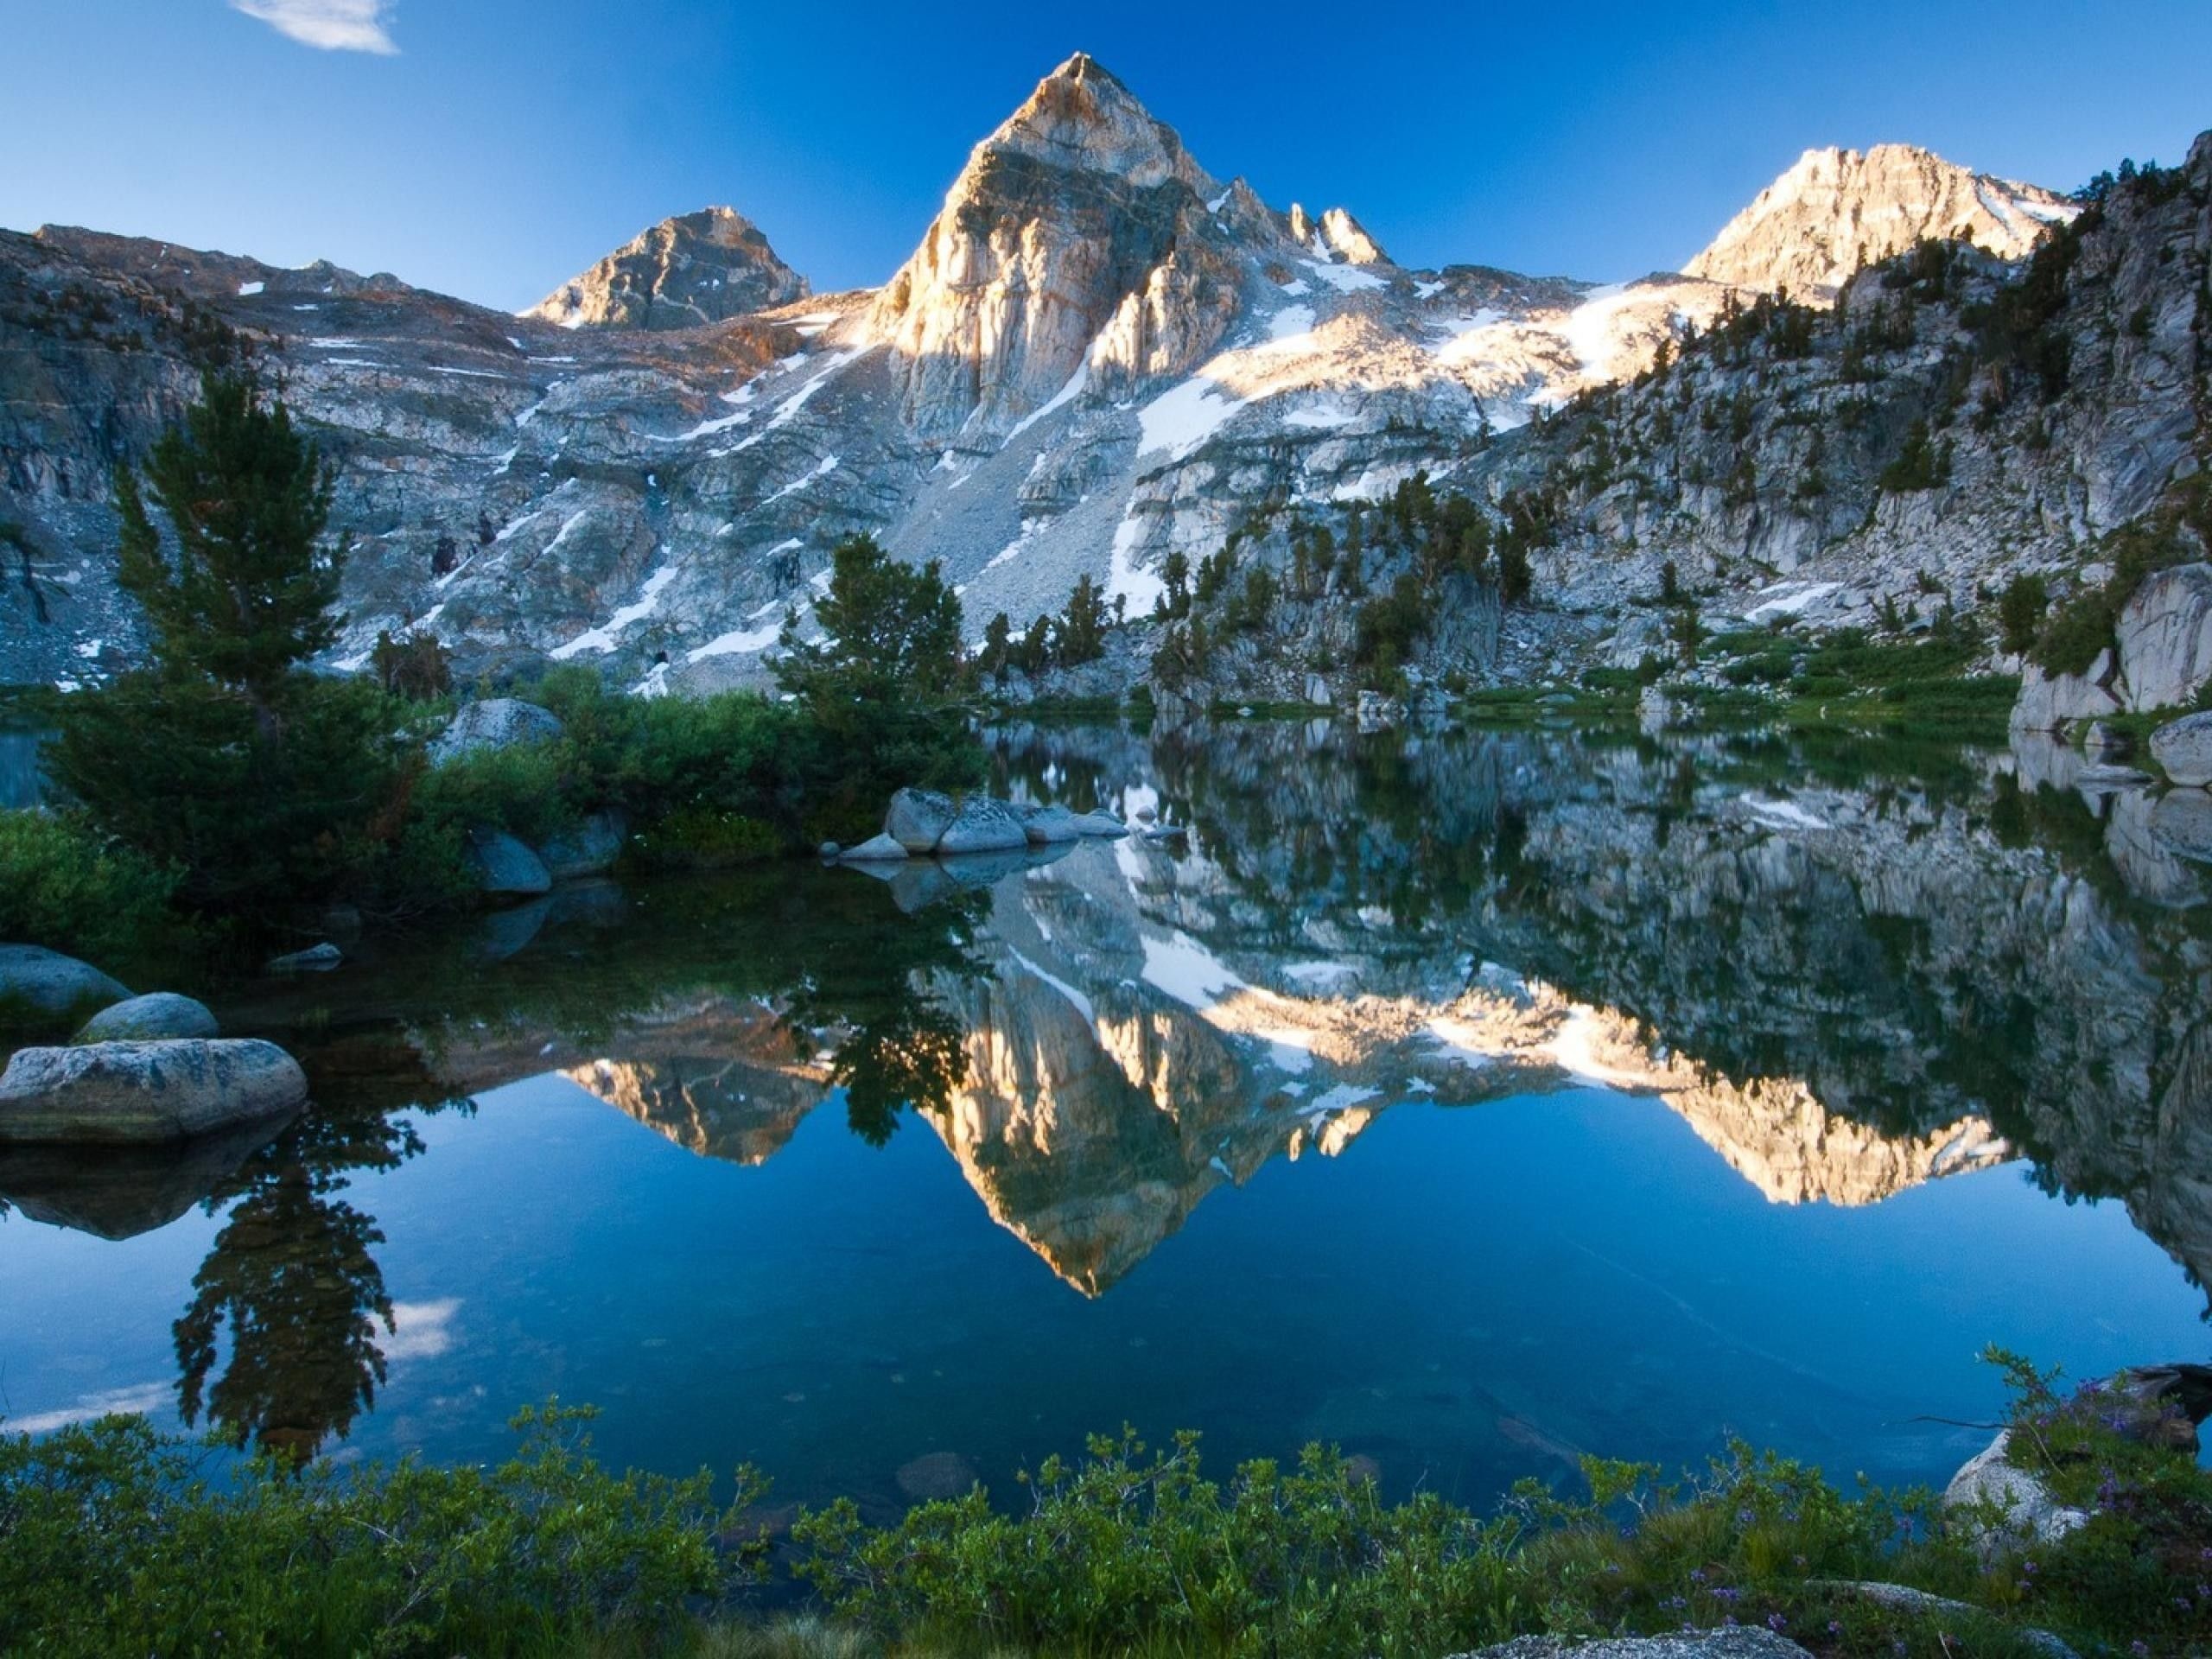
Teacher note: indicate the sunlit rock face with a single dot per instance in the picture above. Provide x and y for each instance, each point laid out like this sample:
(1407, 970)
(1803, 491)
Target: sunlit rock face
(1838, 210)
(693, 268)
(1078, 232)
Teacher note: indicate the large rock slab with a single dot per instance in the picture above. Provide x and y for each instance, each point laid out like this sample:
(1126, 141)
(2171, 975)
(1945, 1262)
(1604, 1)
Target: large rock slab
(2049, 702)
(984, 825)
(145, 1094)
(494, 723)
(590, 848)
(919, 818)
(47, 986)
(504, 868)
(1104, 825)
(145, 1019)
(2183, 748)
(2165, 637)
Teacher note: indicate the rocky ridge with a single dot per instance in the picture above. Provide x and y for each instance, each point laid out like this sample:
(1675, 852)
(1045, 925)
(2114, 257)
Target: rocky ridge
(1098, 355)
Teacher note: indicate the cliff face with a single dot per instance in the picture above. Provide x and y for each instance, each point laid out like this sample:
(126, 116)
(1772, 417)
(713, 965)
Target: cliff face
(1838, 211)
(694, 269)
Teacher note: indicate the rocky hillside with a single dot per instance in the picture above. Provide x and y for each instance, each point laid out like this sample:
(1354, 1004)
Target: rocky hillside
(1953, 421)
(1099, 356)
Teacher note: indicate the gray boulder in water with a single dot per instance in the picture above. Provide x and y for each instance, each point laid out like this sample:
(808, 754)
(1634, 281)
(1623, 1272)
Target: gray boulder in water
(2183, 747)
(876, 849)
(590, 848)
(494, 723)
(143, 1094)
(145, 1019)
(1104, 825)
(1049, 824)
(919, 818)
(504, 868)
(46, 986)
(984, 825)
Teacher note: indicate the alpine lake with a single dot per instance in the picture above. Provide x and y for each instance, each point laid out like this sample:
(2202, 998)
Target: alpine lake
(1469, 1099)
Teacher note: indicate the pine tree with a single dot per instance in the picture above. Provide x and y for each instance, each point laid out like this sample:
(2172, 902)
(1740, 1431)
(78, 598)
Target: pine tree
(249, 590)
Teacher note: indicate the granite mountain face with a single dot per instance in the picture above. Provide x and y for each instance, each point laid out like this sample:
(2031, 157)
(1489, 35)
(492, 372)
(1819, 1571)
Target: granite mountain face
(1099, 353)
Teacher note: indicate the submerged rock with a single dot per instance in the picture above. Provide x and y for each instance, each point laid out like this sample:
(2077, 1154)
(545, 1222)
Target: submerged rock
(159, 1013)
(494, 723)
(938, 1474)
(47, 985)
(315, 959)
(150, 1093)
(919, 818)
(2182, 823)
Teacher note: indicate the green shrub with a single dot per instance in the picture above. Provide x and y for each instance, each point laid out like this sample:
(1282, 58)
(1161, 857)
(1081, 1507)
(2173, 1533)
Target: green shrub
(111, 1540)
(62, 887)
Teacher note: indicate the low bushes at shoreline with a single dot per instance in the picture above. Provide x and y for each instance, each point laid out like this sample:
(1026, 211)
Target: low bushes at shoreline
(116, 1539)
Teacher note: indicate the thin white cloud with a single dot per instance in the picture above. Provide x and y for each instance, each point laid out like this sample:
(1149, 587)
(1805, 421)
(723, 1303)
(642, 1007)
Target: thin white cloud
(331, 25)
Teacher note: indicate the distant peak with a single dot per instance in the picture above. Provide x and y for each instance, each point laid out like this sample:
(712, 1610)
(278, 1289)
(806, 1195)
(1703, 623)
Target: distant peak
(1836, 211)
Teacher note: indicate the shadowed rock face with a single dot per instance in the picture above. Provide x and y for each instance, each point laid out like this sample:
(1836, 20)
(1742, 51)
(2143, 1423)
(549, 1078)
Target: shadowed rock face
(693, 268)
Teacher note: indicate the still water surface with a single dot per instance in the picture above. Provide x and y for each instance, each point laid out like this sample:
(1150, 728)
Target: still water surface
(1470, 1102)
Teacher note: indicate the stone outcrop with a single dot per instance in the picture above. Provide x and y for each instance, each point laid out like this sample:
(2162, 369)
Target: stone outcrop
(146, 1093)
(2165, 637)
(2051, 703)
(592, 847)
(494, 723)
(983, 825)
(2004, 1506)
(1837, 211)
(686, 272)
(917, 818)
(42, 986)
(504, 868)
(2183, 748)
(140, 1019)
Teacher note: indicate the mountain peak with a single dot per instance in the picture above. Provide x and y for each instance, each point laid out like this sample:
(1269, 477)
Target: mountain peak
(1077, 239)
(690, 269)
(1836, 210)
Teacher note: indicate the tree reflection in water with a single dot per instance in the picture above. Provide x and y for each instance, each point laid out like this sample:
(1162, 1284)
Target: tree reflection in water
(293, 1282)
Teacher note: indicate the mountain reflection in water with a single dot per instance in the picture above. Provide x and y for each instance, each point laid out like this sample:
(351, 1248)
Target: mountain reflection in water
(1850, 969)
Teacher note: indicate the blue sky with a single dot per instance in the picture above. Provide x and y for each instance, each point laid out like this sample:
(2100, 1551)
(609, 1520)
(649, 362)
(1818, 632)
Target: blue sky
(491, 148)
